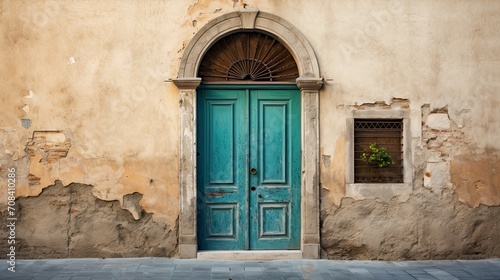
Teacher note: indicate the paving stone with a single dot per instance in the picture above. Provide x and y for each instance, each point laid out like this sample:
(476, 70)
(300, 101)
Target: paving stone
(163, 268)
(425, 277)
(200, 275)
(220, 268)
(270, 277)
(61, 278)
(183, 267)
(291, 274)
(202, 268)
(238, 277)
(219, 277)
(240, 269)
(289, 269)
(254, 268)
(440, 274)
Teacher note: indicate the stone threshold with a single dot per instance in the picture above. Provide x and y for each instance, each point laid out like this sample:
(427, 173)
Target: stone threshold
(250, 255)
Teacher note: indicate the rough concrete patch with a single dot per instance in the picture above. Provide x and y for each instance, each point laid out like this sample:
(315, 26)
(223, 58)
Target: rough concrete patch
(385, 192)
(71, 222)
(131, 203)
(425, 227)
(42, 224)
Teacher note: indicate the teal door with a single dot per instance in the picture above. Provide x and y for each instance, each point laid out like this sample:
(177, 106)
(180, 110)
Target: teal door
(248, 167)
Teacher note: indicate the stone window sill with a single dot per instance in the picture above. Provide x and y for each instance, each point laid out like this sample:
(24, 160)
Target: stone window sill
(385, 191)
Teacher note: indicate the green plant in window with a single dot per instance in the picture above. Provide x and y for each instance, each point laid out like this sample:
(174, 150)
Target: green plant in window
(377, 155)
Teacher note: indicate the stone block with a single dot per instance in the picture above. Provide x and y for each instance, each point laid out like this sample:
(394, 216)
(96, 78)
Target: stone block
(437, 176)
(438, 121)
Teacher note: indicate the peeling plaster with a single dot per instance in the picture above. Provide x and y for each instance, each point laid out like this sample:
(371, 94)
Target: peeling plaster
(51, 158)
(131, 203)
(69, 221)
(476, 181)
(449, 165)
(395, 103)
(333, 176)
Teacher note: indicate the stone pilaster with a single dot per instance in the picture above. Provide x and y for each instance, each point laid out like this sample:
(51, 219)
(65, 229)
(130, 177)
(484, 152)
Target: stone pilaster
(187, 166)
(310, 159)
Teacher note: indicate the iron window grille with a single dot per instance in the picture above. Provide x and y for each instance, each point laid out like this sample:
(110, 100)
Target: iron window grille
(386, 133)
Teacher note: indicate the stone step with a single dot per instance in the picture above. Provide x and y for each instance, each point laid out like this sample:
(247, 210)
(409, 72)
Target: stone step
(250, 255)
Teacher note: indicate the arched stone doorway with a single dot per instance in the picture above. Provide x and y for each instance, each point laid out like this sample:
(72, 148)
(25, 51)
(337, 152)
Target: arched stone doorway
(309, 83)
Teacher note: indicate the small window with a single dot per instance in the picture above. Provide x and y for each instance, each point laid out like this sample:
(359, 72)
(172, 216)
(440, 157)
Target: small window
(385, 133)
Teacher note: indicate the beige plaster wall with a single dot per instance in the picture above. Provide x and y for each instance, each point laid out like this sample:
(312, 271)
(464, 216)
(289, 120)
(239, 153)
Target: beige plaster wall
(441, 59)
(444, 54)
(92, 73)
(90, 76)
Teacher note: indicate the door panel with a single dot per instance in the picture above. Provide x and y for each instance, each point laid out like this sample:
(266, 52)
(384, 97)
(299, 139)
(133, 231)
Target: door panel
(221, 141)
(222, 220)
(240, 129)
(272, 138)
(275, 149)
(274, 221)
(221, 169)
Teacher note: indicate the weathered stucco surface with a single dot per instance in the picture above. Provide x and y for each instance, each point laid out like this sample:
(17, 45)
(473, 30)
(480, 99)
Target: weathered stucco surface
(443, 58)
(424, 227)
(69, 221)
(92, 127)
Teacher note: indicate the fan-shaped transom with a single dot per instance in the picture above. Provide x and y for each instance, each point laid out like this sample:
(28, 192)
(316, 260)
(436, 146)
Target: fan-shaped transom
(248, 56)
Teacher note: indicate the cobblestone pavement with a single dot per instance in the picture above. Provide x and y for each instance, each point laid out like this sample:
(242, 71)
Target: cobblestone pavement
(163, 268)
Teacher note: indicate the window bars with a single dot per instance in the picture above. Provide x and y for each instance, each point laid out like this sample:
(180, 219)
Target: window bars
(386, 133)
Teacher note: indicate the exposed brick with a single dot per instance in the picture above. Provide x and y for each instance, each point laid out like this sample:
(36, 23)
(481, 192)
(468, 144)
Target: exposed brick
(52, 145)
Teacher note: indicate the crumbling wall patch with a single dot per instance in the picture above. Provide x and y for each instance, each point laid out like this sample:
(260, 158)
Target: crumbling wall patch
(69, 221)
(52, 145)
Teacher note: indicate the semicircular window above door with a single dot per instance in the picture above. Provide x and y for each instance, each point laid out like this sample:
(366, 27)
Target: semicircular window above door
(248, 57)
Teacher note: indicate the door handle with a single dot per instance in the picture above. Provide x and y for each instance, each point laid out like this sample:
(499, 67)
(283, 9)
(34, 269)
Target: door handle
(253, 171)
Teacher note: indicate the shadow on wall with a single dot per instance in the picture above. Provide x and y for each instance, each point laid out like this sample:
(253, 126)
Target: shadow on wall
(68, 221)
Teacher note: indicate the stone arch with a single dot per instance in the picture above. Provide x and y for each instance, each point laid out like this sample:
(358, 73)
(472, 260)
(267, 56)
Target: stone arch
(249, 19)
(309, 82)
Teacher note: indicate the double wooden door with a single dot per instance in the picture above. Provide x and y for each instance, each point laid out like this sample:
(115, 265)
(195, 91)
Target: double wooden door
(248, 167)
